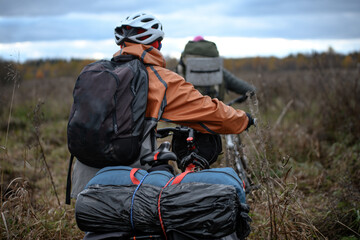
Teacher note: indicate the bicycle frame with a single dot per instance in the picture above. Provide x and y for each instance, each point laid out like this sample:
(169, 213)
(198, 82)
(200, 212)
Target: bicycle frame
(235, 156)
(236, 159)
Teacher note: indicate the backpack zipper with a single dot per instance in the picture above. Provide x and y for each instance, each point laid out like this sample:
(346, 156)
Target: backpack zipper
(114, 116)
(115, 102)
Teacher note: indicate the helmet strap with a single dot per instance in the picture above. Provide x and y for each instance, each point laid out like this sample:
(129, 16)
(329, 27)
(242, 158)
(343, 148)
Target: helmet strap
(157, 44)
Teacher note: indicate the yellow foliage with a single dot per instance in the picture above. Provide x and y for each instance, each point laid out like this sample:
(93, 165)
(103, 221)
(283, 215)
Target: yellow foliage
(347, 62)
(39, 74)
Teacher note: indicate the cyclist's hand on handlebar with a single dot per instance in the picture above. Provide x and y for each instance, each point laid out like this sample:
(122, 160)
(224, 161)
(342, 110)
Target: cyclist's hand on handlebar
(251, 122)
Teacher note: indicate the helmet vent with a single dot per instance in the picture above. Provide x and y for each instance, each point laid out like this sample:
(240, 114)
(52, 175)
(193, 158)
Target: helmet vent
(146, 20)
(143, 38)
(136, 16)
(155, 26)
(119, 30)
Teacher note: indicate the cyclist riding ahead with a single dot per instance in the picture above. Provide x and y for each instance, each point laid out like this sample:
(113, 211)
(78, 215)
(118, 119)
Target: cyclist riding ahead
(216, 79)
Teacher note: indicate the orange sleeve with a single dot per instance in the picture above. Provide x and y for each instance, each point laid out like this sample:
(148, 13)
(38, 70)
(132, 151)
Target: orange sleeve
(187, 106)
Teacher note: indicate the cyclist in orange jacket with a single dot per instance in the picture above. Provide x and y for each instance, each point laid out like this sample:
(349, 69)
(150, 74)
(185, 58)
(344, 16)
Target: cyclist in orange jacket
(170, 97)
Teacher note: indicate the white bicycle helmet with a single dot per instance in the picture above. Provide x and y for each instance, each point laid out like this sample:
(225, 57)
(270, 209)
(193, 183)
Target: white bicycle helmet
(129, 29)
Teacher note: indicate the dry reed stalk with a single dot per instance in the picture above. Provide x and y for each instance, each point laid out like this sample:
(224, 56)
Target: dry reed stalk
(6, 227)
(1, 205)
(286, 108)
(36, 123)
(356, 233)
(13, 74)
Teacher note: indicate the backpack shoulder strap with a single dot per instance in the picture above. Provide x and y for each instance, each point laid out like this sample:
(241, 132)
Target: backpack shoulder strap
(68, 182)
(124, 58)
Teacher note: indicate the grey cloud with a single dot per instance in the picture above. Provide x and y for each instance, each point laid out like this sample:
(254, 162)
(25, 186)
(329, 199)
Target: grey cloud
(37, 20)
(58, 28)
(40, 28)
(231, 7)
(51, 7)
(315, 26)
(300, 7)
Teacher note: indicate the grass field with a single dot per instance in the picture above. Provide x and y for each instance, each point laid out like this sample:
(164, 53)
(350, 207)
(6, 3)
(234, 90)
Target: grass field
(304, 154)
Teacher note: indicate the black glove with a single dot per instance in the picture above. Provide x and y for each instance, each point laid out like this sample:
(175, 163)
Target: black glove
(251, 121)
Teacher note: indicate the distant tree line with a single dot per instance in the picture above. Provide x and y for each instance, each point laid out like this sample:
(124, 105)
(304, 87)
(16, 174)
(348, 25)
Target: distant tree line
(55, 68)
(43, 68)
(300, 61)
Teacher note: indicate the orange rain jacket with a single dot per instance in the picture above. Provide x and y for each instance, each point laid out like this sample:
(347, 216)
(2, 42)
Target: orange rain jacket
(172, 99)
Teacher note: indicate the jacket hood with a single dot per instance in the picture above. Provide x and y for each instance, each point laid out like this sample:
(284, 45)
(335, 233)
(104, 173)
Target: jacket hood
(146, 53)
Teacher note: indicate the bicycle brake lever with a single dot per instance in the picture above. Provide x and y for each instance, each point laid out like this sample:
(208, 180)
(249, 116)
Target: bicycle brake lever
(255, 122)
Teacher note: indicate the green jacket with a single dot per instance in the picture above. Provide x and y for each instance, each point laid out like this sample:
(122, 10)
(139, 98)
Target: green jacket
(201, 48)
(206, 48)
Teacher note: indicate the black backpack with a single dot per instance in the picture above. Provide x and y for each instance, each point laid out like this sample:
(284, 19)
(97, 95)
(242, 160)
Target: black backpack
(107, 118)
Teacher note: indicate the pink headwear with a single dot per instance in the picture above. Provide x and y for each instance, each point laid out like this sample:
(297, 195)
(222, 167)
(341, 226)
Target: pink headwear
(198, 38)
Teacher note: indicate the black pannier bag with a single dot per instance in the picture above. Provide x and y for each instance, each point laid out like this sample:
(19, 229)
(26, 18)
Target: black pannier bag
(107, 117)
(205, 211)
(207, 146)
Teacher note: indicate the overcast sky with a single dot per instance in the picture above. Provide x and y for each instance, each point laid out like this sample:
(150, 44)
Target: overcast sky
(241, 28)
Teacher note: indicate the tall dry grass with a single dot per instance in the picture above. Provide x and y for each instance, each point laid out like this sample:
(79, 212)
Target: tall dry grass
(303, 153)
(32, 158)
(275, 206)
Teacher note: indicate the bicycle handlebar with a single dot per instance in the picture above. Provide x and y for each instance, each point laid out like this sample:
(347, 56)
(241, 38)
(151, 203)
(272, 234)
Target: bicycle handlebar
(240, 99)
(164, 132)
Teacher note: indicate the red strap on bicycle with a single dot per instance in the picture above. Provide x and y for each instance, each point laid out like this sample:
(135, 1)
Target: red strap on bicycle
(190, 168)
(156, 156)
(160, 218)
(133, 179)
(180, 177)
